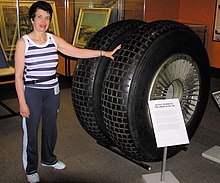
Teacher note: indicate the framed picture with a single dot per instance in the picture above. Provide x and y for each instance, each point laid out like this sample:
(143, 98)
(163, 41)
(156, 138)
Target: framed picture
(216, 29)
(90, 21)
(216, 97)
(3, 57)
(5, 69)
(8, 21)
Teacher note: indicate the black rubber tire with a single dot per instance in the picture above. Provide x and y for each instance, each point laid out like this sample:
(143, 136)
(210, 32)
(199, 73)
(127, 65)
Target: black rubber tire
(137, 75)
(88, 76)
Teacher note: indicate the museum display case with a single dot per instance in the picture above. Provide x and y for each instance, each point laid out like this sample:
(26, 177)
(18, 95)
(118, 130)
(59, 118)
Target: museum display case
(66, 14)
(15, 23)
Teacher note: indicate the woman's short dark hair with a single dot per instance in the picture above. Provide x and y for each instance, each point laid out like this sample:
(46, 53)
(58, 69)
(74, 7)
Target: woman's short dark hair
(40, 5)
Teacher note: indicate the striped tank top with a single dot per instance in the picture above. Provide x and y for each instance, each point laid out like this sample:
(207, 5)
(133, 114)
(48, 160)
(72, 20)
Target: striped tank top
(40, 61)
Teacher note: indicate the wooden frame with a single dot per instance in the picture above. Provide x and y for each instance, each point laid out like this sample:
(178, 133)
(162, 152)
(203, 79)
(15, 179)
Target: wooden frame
(5, 69)
(216, 29)
(90, 21)
(8, 23)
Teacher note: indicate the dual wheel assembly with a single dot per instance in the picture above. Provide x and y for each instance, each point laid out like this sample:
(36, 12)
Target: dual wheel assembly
(158, 60)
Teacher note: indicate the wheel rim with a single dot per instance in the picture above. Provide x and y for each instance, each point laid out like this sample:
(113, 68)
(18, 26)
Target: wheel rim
(178, 77)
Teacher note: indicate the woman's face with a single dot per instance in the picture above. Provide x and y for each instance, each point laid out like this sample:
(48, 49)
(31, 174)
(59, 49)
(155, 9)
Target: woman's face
(41, 21)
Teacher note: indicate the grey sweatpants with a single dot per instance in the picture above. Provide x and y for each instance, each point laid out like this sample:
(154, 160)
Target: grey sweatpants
(43, 104)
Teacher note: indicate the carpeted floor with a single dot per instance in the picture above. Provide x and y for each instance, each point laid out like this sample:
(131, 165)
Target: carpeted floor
(88, 162)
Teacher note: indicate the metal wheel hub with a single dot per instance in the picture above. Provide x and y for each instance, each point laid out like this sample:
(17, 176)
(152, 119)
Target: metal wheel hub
(178, 77)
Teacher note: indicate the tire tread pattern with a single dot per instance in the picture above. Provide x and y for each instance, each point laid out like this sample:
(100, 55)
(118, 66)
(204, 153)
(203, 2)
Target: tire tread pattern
(83, 89)
(117, 82)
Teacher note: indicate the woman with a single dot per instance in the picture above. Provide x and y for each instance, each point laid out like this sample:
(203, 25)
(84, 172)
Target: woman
(37, 87)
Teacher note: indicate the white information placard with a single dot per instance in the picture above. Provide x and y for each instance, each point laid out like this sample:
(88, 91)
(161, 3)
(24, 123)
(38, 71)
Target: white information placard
(168, 122)
(216, 96)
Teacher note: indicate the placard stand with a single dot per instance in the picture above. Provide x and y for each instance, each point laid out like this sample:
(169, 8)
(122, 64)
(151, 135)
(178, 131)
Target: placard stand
(169, 129)
(213, 153)
(164, 176)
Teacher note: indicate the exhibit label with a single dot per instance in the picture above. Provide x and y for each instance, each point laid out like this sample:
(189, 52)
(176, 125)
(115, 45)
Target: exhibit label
(168, 122)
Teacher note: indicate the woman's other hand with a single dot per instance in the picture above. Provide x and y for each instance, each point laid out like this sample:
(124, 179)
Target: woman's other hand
(24, 110)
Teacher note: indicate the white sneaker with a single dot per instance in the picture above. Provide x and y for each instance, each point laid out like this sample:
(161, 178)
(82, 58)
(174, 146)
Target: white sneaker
(33, 178)
(59, 165)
